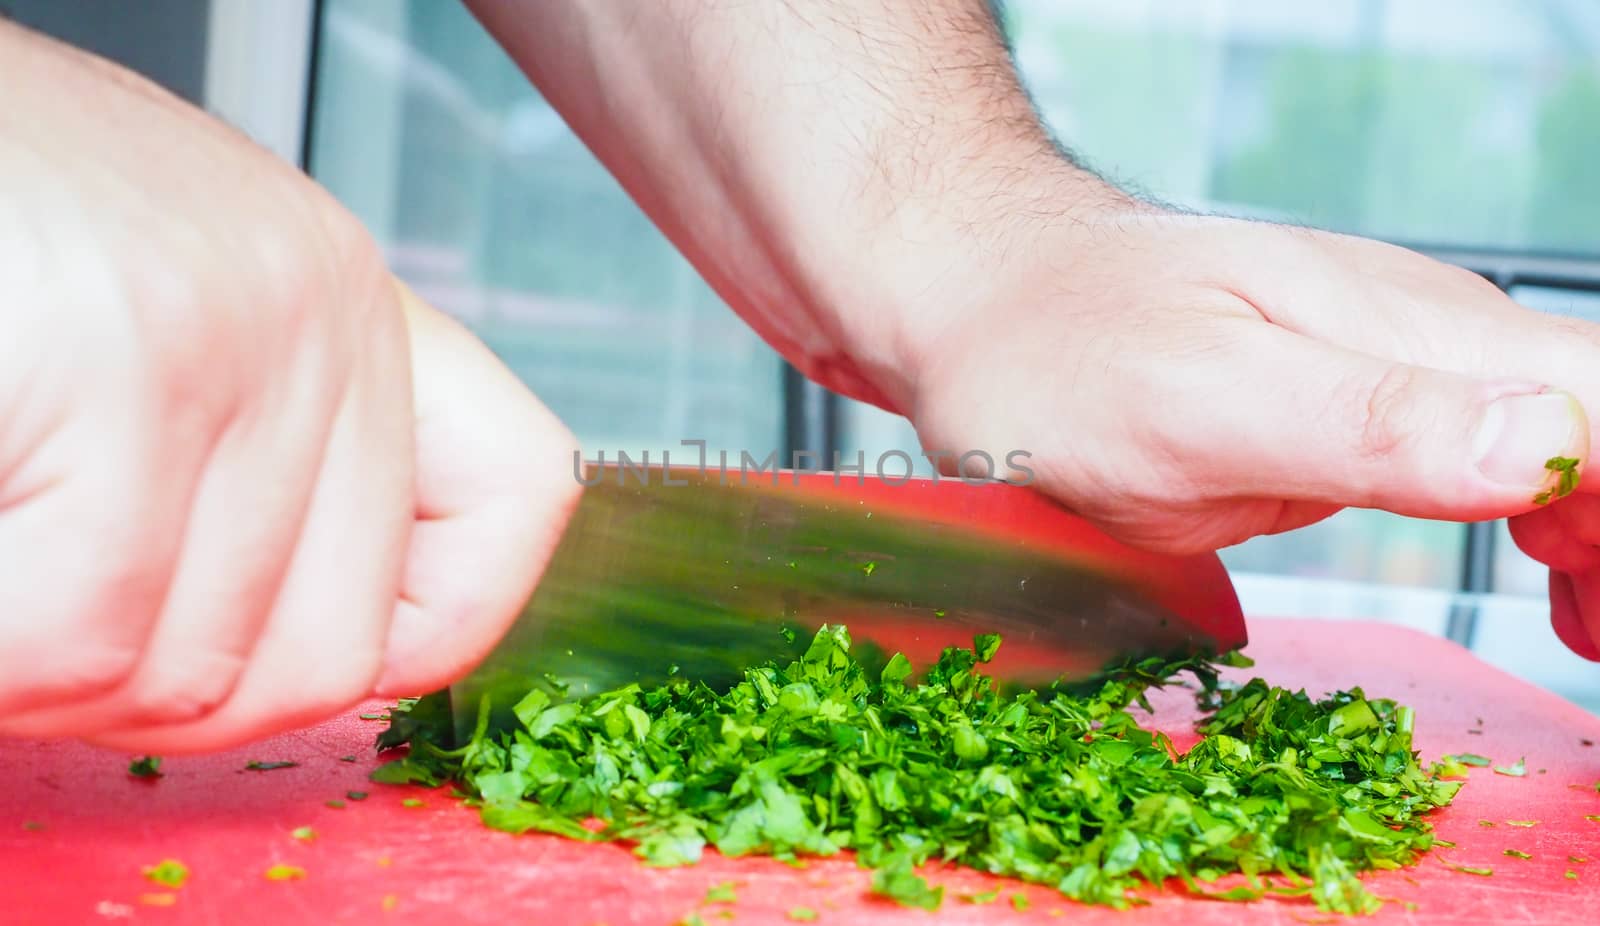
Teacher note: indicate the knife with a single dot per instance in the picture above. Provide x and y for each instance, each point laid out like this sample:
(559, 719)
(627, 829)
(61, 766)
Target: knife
(704, 572)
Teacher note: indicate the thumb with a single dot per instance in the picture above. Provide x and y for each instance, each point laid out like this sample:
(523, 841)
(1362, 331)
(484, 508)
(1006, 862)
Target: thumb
(1342, 427)
(494, 492)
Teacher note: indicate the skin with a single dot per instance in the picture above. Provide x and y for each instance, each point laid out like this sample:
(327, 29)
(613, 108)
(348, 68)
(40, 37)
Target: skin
(247, 479)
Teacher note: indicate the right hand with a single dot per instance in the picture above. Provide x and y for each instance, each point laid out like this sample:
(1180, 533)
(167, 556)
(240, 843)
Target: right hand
(245, 478)
(1190, 382)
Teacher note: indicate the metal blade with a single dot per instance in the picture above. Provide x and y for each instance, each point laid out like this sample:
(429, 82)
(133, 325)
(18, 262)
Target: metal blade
(698, 572)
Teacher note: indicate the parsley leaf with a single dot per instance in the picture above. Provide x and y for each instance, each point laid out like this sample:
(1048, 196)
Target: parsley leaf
(1517, 769)
(145, 767)
(1059, 785)
(1566, 470)
(169, 872)
(898, 881)
(282, 872)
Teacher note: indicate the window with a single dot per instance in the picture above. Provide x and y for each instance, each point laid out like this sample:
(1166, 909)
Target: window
(1441, 122)
(494, 212)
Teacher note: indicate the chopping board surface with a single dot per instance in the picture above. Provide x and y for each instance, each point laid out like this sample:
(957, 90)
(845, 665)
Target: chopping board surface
(76, 830)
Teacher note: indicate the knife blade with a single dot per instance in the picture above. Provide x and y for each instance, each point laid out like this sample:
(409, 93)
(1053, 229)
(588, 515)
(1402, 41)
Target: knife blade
(704, 572)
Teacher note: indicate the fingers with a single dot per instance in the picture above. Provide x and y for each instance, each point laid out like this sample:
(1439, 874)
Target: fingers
(1395, 304)
(88, 548)
(223, 588)
(1566, 537)
(1339, 427)
(265, 463)
(1575, 611)
(88, 538)
(494, 489)
(321, 646)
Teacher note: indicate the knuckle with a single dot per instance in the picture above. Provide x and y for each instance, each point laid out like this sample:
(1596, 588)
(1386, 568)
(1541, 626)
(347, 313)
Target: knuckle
(1385, 413)
(333, 685)
(53, 677)
(197, 692)
(88, 633)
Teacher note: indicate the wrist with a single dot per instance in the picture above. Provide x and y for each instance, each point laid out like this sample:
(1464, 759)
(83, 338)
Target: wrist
(903, 277)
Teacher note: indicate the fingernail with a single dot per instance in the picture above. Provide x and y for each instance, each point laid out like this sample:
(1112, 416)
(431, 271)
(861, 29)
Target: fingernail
(1520, 433)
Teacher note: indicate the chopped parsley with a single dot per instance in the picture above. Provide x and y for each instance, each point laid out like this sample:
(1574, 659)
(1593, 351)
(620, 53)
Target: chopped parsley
(1566, 470)
(304, 833)
(1516, 769)
(900, 883)
(256, 765)
(839, 750)
(168, 872)
(1517, 853)
(356, 795)
(145, 767)
(722, 892)
(284, 873)
(802, 914)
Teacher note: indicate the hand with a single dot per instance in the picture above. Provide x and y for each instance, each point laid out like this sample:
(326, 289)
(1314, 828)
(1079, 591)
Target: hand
(245, 479)
(1191, 382)
(870, 187)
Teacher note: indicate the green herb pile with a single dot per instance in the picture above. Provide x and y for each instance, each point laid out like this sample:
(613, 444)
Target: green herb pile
(1056, 787)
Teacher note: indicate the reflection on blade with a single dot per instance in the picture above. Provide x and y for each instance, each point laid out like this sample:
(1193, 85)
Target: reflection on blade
(665, 571)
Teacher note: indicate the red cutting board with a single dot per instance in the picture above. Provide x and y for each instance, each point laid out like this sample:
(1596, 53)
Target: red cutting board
(377, 860)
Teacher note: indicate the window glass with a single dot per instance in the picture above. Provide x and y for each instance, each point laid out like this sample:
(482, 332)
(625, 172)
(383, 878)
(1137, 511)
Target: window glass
(1461, 122)
(494, 211)
(1568, 302)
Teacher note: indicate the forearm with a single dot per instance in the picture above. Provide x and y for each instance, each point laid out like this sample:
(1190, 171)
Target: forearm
(810, 157)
